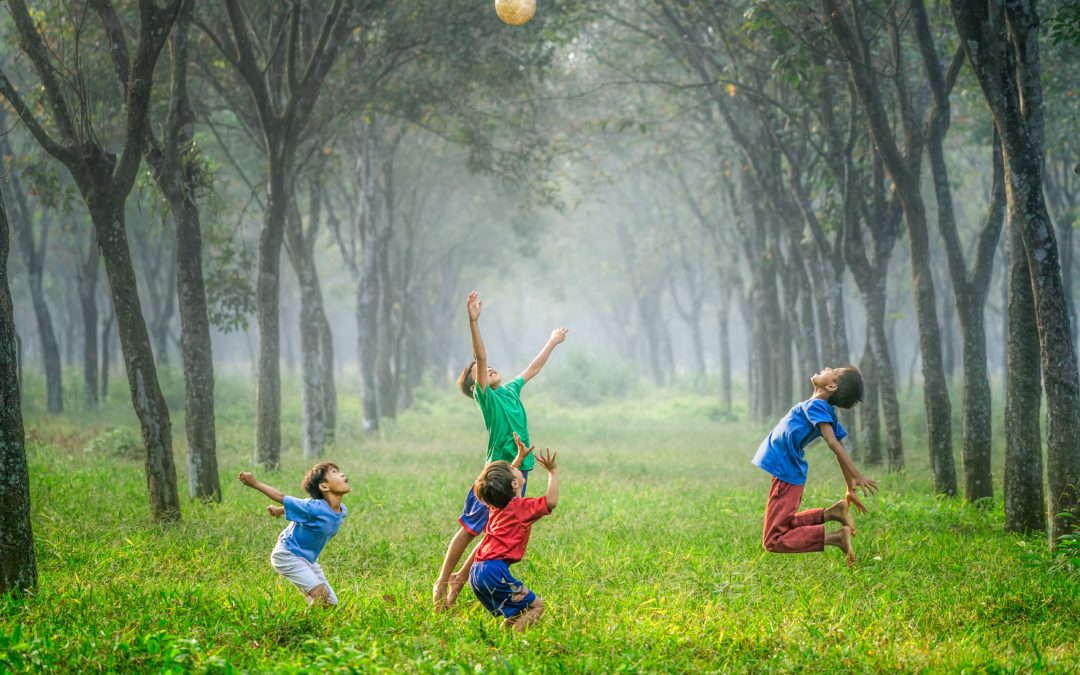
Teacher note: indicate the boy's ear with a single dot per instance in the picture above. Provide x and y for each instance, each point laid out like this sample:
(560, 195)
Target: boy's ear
(324, 487)
(831, 387)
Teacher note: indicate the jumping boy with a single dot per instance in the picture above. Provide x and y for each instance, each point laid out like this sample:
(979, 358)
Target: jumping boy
(781, 454)
(504, 415)
(312, 522)
(506, 537)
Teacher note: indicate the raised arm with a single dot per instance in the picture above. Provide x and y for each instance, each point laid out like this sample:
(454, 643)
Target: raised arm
(852, 476)
(249, 480)
(557, 336)
(546, 459)
(479, 353)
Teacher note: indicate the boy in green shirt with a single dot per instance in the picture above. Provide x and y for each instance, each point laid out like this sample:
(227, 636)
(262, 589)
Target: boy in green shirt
(504, 415)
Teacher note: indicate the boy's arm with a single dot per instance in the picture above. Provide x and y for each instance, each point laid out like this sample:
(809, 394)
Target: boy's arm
(557, 336)
(546, 459)
(852, 476)
(479, 353)
(249, 480)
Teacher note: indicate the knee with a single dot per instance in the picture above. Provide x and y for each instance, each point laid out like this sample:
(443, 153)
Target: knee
(537, 606)
(771, 542)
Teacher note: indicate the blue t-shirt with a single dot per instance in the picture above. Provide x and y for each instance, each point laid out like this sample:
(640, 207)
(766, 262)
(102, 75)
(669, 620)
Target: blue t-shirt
(781, 453)
(311, 524)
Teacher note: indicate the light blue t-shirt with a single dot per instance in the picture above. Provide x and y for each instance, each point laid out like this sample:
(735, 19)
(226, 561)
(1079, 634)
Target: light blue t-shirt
(781, 453)
(311, 524)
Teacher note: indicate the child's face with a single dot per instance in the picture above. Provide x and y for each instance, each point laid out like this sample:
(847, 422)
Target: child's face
(494, 379)
(336, 482)
(826, 379)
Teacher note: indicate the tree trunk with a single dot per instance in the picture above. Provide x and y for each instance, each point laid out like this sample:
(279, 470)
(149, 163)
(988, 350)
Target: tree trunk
(106, 352)
(267, 307)
(1006, 63)
(885, 374)
(33, 254)
(869, 419)
(326, 351)
(88, 302)
(725, 347)
(18, 569)
(146, 396)
(1025, 505)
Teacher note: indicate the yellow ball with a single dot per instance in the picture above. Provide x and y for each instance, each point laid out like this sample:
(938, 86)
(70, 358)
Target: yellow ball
(515, 12)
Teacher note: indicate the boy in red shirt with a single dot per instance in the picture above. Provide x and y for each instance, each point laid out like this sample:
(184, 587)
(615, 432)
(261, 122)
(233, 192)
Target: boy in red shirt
(507, 535)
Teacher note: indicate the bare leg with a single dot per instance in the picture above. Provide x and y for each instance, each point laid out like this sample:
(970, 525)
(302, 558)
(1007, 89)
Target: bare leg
(457, 546)
(532, 613)
(841, 539)
(318, 596)
(841, 513)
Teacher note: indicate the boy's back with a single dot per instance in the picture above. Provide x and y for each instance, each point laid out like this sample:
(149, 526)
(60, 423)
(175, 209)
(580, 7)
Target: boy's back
(504, 415)
(781, 453)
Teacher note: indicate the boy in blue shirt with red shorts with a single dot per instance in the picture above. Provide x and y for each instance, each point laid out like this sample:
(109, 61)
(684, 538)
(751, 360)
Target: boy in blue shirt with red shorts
(788, 530)
(506, 537)
(504, 416)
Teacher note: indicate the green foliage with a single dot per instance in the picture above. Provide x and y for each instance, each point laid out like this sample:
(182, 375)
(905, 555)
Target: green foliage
(652, 563)
(578, 378)
(1065, 24)
(121, 442)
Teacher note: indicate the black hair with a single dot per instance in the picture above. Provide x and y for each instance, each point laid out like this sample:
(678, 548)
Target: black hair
(495, 486)
(316, 475)
(465, 381)
(849, 388)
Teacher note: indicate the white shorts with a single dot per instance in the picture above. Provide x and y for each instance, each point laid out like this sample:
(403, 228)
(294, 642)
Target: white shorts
(303, 574)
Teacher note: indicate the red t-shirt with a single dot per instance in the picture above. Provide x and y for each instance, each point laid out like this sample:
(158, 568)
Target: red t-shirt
(507, 531)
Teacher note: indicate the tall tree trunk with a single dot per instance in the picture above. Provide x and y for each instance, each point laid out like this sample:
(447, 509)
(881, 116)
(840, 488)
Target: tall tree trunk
(267, 308)
(904, 171)
(722, 317)
(33, 254)
(106, 352)
(884, 373)
(146, 396)
(88, 277)
(1025, 505)
(18, 569)
(176, 173)
(869, 419)
(1006, 63)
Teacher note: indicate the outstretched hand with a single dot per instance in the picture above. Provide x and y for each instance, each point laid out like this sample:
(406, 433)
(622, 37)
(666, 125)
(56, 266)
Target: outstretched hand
(522, 451)
(247, 478)
(275, 511)
(558, 335)
(474, 304)
(546, 459)
(853, 500)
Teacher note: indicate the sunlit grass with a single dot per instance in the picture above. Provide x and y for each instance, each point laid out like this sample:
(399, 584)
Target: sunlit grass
(652, 562)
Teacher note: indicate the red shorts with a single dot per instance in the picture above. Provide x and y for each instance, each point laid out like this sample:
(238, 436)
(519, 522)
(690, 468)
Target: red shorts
(787, 531)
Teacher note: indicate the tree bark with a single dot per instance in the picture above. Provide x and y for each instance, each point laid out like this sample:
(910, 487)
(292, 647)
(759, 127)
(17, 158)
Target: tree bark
(88, 277)
(1006, 63)
(903, 170)
(1025, 505)
(33, 254)
(106, 354)
(869, 418)
(18, 568)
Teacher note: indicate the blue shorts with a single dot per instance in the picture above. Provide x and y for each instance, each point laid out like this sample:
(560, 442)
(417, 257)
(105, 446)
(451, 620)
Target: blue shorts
(497, 590)
(474, 516)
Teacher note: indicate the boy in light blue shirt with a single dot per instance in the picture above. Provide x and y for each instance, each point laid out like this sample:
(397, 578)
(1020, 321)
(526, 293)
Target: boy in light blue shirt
(312, 523)
(788, 530)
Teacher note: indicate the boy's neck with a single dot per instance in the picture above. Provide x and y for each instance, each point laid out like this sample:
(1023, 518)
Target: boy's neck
(334, 500)
(822, 394)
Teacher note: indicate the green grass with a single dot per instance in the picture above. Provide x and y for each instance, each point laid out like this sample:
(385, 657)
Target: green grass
(652, 562)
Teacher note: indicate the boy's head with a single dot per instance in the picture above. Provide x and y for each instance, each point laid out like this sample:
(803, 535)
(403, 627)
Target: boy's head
(843, 385)
(467, 380)
(498, 483)
(324, 478)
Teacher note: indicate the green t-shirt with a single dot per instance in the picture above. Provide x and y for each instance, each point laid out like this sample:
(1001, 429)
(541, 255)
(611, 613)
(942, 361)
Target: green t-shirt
(503, 415)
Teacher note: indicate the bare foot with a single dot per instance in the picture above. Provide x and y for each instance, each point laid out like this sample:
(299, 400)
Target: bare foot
(843, 542)
(841, 513)
(453, 590)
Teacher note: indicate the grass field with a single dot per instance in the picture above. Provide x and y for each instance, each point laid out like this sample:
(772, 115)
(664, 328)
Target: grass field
(652, 562)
